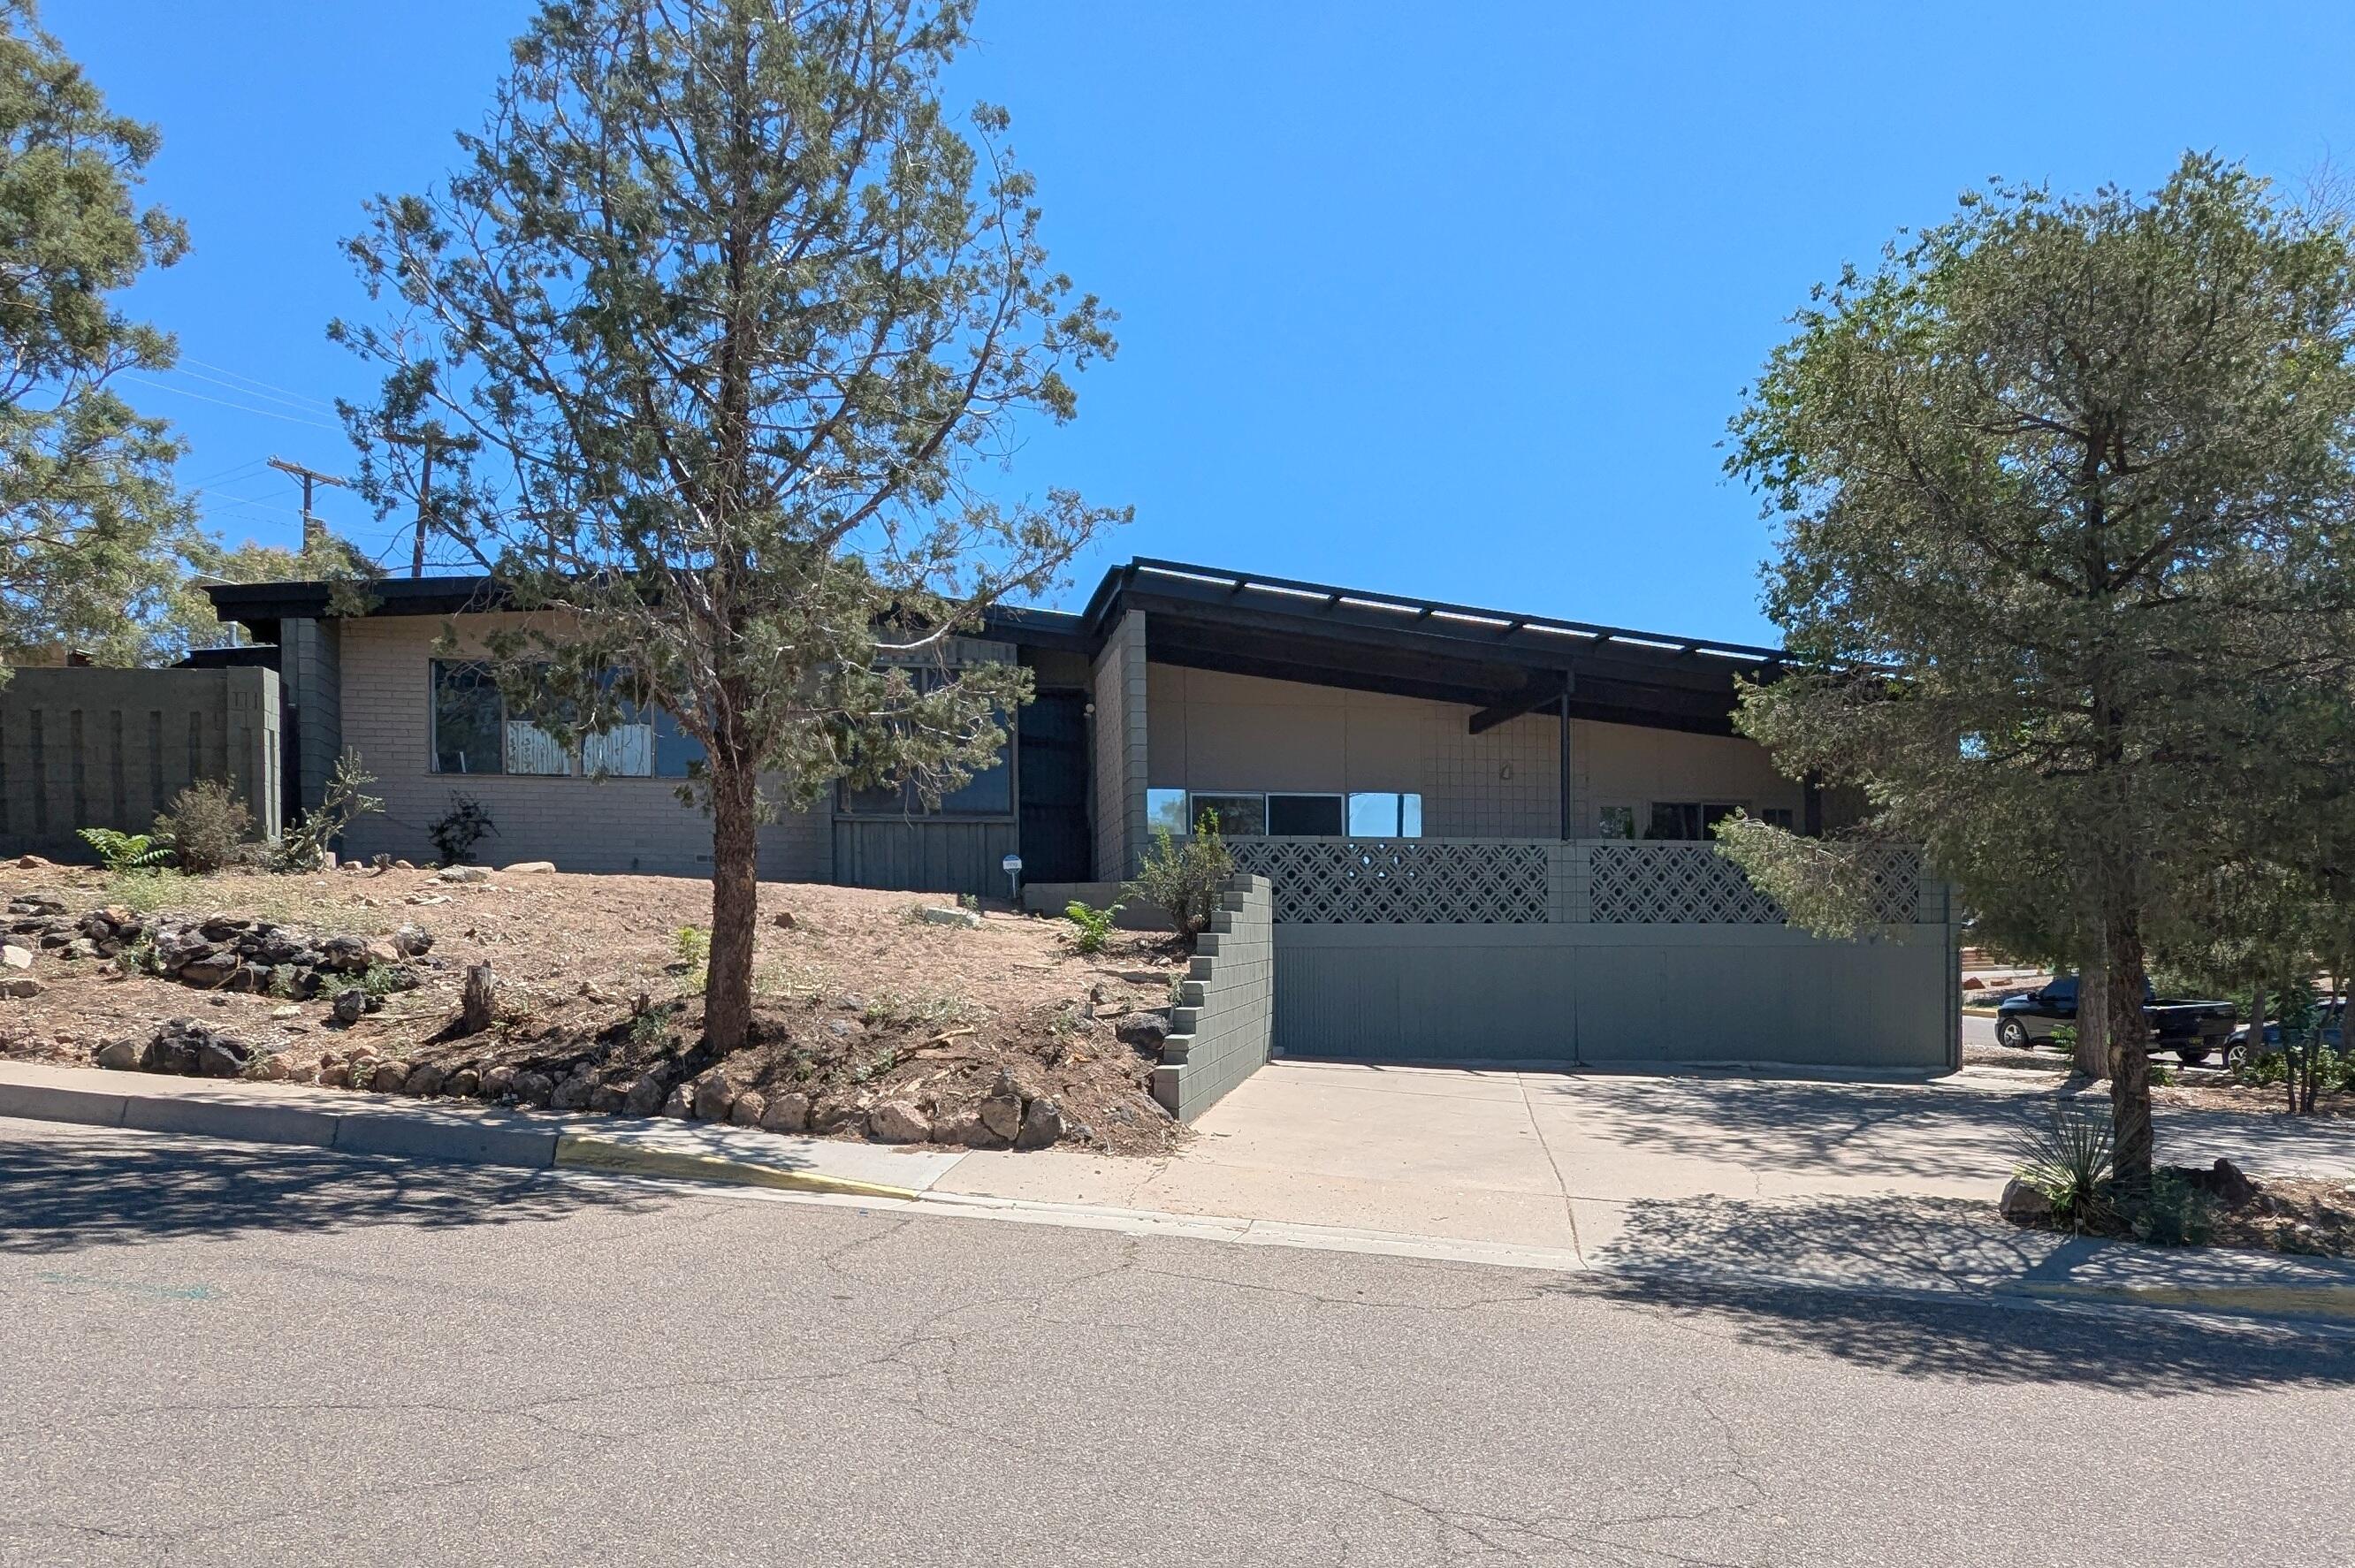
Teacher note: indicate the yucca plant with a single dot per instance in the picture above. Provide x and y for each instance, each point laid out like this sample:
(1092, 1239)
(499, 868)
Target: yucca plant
(2068, 1160)
(127, 851)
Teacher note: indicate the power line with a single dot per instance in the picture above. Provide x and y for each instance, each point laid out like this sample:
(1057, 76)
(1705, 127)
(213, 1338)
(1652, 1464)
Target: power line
(297, 403)
(257, 381)
(224, 402)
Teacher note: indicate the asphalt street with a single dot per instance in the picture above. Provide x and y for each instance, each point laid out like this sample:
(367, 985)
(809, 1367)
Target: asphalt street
(231, 1354)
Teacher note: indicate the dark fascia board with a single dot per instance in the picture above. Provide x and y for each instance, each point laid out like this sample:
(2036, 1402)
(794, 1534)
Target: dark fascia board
(251, 602)
(1545, 634)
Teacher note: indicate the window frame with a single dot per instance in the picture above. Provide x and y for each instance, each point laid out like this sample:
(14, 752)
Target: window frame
(576, 758)
(1398, 799)
(1340, 802)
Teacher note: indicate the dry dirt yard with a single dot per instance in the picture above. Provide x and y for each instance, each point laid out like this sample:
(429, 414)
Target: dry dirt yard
(871, 1022)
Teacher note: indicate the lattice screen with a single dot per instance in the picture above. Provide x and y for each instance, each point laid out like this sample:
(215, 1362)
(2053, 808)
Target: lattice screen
(1400, 881)
(1693, 884)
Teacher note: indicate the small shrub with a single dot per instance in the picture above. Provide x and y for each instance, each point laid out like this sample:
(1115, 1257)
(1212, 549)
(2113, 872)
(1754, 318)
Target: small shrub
(120, 852)
(693, 945)
(380, 980)
(282, 979)
(2179, 1215)
(649, 1027)
(1186, 880)
(304, 847)
(1096, 924)
(205, 825)
(2162, 1076)
(969, 903)
(2069, 1162)
(457, 830)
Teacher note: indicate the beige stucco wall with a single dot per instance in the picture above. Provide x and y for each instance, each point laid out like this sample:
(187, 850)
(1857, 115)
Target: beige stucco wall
(581, 823)
(1210, 731)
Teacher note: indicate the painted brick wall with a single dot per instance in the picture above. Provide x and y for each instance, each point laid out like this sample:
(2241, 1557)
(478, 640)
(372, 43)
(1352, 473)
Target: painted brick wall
(581, 823)
(1220, 1030)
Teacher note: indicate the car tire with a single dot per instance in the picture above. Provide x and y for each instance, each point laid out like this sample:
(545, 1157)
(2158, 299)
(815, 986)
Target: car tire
(2191, 1055)
(2011, 1034)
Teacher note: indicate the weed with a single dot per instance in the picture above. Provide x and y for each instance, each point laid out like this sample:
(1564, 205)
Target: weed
(457, 830)
(649, 1027)
(1096, 924)
(2179, 1215)
(381, 979)
(693, 945)
(147, 892)
(282, 981)
(120, 852)
(894, 1009)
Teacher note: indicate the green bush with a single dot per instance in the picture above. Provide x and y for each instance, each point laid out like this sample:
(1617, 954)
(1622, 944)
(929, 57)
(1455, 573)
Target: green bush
(693, 945)
(2179, 1214)
(1187, 879)
(457, 830)
(205, 825)
(119, 852)
(1096, 924)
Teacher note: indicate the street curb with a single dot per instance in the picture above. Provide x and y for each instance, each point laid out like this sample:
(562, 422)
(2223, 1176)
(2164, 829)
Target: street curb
(349, 1132)
(615, 1157)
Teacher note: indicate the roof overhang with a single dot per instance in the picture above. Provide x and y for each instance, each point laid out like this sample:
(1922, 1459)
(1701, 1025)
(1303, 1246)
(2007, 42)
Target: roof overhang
(1499, 663)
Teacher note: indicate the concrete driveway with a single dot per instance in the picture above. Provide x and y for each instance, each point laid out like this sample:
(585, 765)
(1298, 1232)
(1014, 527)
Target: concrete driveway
(1558, 1159)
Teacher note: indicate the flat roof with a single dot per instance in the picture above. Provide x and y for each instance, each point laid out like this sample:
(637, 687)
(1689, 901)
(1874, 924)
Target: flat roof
(1503, 662)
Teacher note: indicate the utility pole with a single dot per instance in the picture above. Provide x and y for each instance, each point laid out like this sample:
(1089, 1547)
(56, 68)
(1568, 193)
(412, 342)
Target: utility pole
(309, 477)
(426, 441)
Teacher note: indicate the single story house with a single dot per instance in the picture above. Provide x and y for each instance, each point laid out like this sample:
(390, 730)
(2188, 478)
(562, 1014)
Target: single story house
(1484, 830)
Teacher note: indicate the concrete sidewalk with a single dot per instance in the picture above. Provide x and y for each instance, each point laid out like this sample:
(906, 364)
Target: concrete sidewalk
(1742, 1181)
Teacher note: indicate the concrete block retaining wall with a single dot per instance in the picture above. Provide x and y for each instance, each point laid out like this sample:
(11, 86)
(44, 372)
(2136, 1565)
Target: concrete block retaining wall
(1220, 1031)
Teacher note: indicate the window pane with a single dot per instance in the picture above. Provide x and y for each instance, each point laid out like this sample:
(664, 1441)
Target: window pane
(1675, 819)
(467, 720)
(1410, 815)
(1615, 822)
(1165, 808)
(625, 750)
(676, 755)
(531, 750)
(884, 800)
(1373, 817)
(991, 790)
(1777, 816)
(1305, 816)
(1240, 815)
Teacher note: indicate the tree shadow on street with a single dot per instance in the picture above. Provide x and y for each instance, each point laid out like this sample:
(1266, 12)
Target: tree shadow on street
(2012, 1319)
(69, 1192)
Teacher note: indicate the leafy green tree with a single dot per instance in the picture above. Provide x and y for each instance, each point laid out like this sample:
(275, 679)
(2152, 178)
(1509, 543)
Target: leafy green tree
(94, 535)
(725, 316)
(2062, 487)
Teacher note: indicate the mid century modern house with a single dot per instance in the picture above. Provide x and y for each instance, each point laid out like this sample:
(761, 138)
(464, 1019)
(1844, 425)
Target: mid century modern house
(1484, 831)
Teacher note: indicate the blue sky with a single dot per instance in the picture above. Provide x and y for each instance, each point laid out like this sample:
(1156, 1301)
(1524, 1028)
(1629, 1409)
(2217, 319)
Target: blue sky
(1452, 301)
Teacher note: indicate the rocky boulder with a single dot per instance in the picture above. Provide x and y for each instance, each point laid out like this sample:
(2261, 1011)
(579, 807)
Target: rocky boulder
(1043, 1124)
(714, 1097)
(898, 1121)
(190, 1050)
(2026, 1205)
(788, 1113)
(1143, 1031)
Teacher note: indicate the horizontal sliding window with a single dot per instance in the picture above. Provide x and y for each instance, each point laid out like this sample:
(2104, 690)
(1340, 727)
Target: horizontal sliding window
(988, 792)
(1165, 811)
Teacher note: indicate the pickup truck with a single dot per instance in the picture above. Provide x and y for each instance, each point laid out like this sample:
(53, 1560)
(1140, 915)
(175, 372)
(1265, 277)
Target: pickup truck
(2193, 1030)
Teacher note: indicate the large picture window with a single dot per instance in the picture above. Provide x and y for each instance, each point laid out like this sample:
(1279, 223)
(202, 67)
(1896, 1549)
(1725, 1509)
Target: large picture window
(474, 734)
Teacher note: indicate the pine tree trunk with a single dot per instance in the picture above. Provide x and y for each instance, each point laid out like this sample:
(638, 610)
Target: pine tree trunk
(2092, 1054)
(735, 905)
(2129, 1044)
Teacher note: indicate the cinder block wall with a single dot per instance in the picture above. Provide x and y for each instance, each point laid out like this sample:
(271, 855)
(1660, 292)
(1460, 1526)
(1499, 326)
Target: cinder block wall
(1220, 1031)
(110, 748)
(1120, 750)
